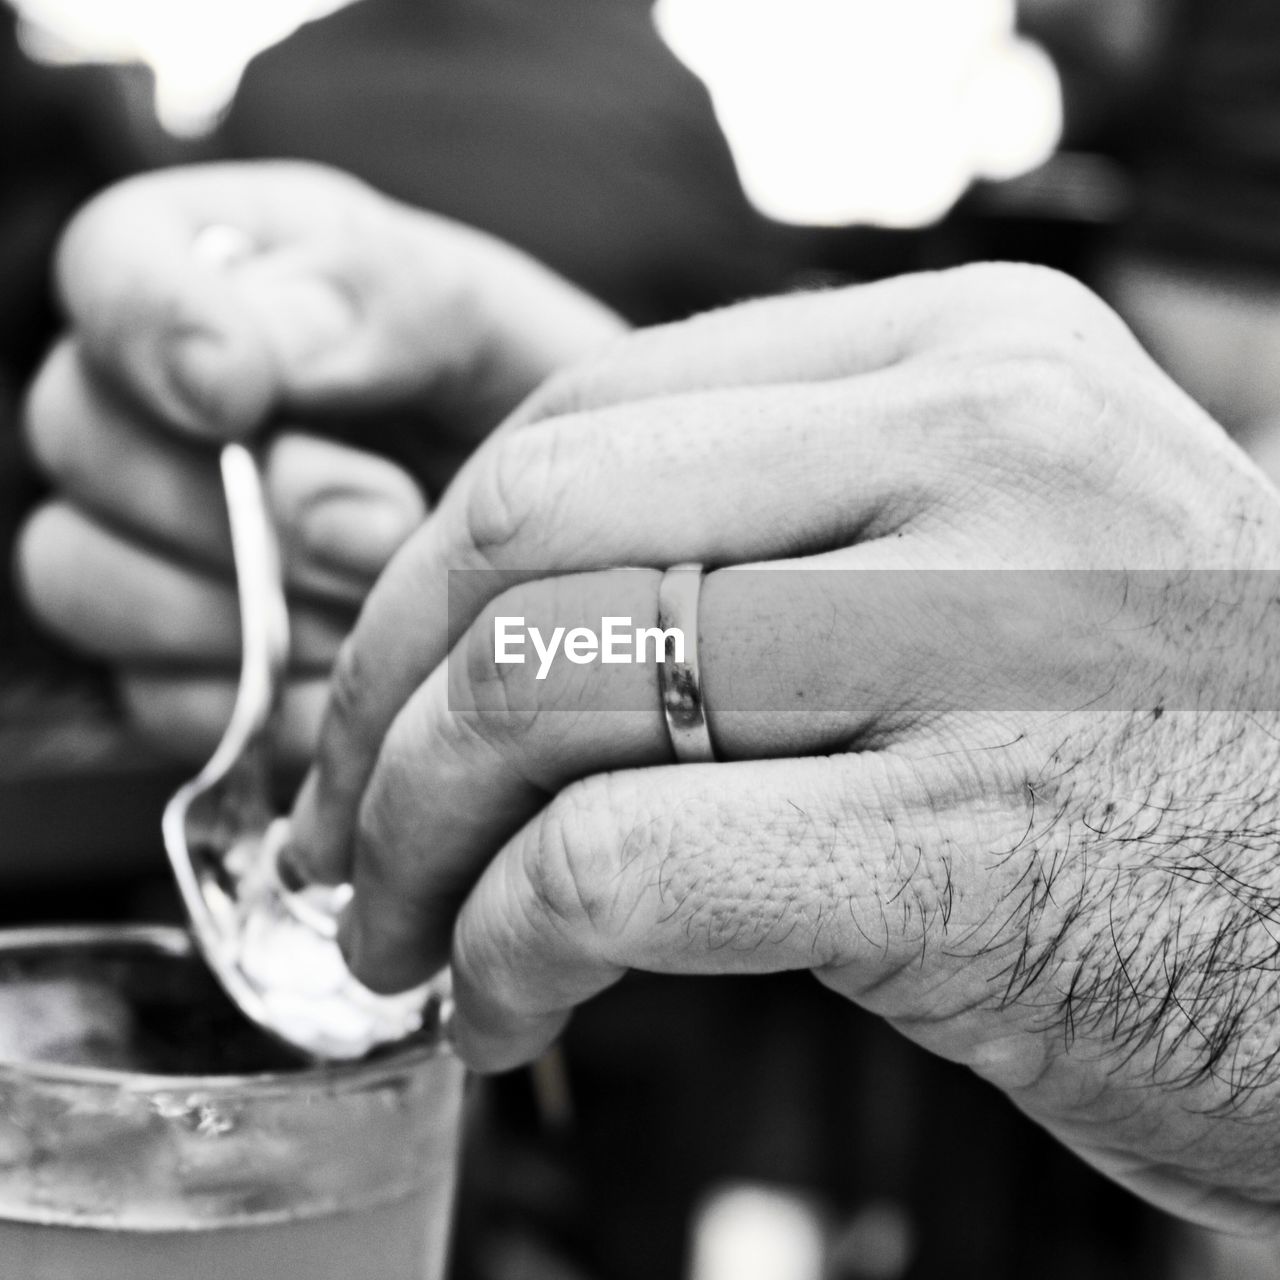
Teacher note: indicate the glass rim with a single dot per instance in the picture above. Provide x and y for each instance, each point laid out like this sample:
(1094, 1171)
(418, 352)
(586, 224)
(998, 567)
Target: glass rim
(174, 942)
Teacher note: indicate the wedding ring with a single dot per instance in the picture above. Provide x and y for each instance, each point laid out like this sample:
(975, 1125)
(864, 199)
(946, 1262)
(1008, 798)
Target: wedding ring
(678, 677)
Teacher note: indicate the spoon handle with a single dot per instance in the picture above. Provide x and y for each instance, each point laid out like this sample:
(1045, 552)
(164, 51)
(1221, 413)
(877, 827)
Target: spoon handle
(264, 615)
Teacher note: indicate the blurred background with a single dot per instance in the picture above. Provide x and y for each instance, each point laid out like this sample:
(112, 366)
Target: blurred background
(671, 157)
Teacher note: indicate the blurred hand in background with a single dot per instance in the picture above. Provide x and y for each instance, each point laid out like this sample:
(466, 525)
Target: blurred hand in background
(289, 304)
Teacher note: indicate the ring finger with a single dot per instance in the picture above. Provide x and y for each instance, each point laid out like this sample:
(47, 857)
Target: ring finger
(787, 670)
(656, 483)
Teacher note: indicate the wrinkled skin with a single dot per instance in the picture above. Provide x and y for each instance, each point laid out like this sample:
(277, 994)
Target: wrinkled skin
(1034, 831)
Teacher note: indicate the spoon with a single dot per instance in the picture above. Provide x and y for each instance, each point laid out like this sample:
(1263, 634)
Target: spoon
(273, 947)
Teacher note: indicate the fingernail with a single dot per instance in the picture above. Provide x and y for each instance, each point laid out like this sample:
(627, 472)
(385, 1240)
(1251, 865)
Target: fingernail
(355, 532)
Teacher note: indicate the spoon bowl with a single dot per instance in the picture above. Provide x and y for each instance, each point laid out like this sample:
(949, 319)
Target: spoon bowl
(274, 949)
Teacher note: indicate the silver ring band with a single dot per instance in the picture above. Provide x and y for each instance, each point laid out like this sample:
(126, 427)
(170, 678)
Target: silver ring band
(679, 678)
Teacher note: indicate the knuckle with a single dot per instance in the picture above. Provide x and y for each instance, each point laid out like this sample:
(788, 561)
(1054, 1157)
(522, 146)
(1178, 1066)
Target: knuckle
(504, 697)
(1049, 381)
(564, 392)
(1027, 297)
(1005, 281)
(458, 745)
(590, 383)
(512, 497)
(345, 714)
(1026, 402)
(1067, 302)
(571, 862)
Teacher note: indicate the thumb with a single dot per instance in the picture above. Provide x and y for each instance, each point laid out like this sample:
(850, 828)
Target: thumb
(219, 294)
(159, 313)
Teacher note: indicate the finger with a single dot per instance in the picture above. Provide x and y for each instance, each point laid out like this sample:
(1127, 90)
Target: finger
(792, 662)
(162, 318)
(838, 334)
(439, 316)
(743, 868)
(342, 299)
(476, 753)
(114, 600)
(341, 513)
(649, 484)
(101, 452)
(186, 714)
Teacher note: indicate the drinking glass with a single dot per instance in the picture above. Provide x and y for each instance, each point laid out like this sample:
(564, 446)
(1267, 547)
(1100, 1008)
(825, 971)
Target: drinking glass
(148, 1132)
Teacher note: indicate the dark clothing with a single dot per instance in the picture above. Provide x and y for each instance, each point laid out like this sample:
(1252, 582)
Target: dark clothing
(1206, 148)
(563, 126)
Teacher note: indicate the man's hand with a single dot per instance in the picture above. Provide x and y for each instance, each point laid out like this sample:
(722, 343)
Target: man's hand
(254, 300)
(1029, 814)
